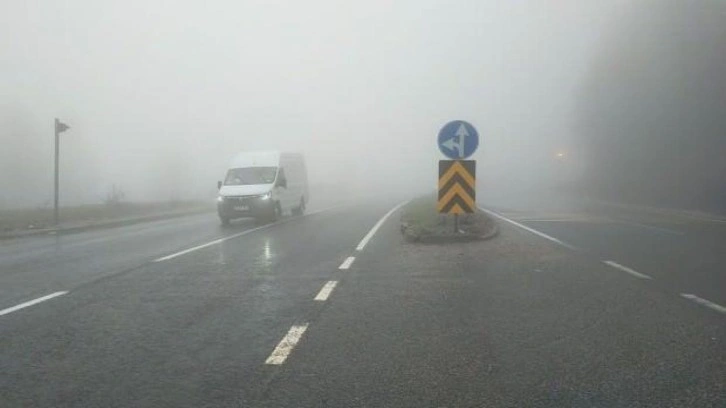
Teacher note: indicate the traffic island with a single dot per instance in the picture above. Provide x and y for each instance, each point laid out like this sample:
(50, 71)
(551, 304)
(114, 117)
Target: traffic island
(422, 223)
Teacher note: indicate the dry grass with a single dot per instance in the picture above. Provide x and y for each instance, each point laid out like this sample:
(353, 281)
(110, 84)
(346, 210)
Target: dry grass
(421, 218)
(39, 218)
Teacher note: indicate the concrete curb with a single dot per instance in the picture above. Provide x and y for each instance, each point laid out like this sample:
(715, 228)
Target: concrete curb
(100, 224)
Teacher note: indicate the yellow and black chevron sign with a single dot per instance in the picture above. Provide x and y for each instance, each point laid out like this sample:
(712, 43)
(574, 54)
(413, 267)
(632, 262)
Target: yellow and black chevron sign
(457, 186)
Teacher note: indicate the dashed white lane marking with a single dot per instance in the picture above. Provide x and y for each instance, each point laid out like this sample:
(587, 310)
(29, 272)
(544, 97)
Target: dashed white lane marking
(627, 270)
(704, 302)
(375, 228)
(347, 263)
(219, 241)
(528, 229)
(652, 228)
(286, 345)
(326, 291)
(31, 303)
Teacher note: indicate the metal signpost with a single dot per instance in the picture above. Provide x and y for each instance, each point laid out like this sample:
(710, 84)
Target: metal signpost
(457, 177)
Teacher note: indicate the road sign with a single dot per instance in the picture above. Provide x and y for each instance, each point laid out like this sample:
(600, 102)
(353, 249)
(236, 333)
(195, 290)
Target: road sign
(457, 186)
(458, 140)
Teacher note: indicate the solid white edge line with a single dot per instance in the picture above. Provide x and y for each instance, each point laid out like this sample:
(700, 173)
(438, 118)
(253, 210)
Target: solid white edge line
(627, 270)
(186, 251)
(378, 225)
(545, 220)
(326, 291)
(31, 303)
(528, 229)
(347, 263)
(220, 240)
(286, 345)
(704, 302)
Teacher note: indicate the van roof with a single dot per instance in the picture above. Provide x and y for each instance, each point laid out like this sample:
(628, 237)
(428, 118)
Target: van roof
(256, 159)
(269, 158)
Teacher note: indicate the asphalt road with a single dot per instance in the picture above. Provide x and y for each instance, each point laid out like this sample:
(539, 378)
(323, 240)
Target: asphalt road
(334, 309)
(681, 253)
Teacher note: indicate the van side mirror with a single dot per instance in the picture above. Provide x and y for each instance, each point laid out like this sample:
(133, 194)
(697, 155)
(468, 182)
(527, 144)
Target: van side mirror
(219, 185)
(282, 182)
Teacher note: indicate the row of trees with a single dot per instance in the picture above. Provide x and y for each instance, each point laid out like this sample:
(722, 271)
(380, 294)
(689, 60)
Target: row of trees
(652, 109)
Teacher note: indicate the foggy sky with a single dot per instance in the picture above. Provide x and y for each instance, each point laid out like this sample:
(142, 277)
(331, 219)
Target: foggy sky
(160, 94)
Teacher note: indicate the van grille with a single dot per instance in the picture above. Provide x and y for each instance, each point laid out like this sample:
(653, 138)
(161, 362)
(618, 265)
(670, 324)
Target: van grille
(240, 199)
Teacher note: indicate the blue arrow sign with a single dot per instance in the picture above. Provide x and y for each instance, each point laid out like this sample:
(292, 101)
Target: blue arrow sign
(458, 140)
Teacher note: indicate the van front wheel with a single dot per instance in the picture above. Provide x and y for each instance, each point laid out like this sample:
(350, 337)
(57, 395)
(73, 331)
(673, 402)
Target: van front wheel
(300, 209)
(275, 213)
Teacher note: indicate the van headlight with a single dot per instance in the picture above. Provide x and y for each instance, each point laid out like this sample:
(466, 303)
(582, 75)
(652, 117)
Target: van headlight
(220, 199)
(266, 196)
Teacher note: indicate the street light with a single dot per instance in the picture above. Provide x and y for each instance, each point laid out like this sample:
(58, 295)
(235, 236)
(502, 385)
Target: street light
(60, 127)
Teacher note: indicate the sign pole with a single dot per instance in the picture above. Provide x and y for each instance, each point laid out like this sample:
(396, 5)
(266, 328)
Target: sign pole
(57, 154)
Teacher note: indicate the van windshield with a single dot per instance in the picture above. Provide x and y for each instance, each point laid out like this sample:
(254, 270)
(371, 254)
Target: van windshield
(250, 175)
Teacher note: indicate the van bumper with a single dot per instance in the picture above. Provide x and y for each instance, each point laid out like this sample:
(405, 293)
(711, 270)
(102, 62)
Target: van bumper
(241, 207)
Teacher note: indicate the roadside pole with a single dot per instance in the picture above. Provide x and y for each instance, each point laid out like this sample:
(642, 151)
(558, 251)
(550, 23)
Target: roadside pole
(59, 128)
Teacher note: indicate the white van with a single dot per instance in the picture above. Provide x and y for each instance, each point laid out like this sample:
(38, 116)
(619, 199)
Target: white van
(263, 185)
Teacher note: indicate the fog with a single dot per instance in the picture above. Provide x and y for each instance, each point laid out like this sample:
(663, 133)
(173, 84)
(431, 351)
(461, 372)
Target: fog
(160, 95)
(650, 112)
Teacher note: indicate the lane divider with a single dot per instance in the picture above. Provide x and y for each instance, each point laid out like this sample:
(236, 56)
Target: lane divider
(704, 302)
(293, 336)
(375, 228)
(347, 263)
(31, 303)
(326, 291)
(208, 244)
(531, 230)
(627, 270)
(286, 345)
